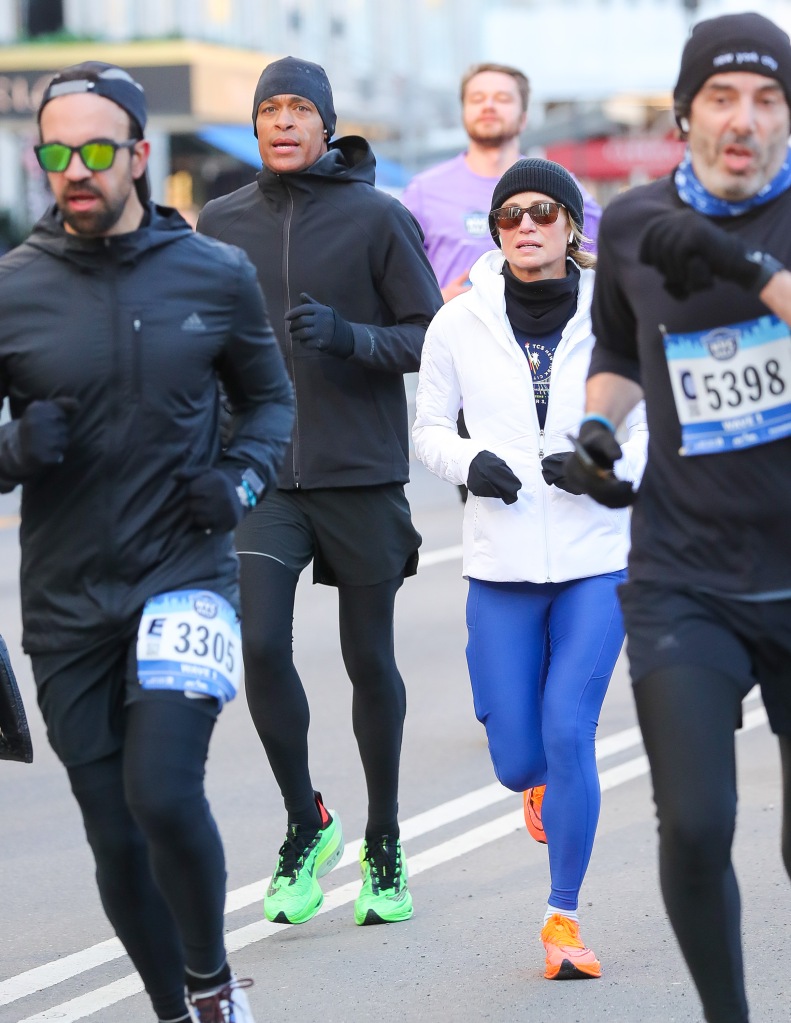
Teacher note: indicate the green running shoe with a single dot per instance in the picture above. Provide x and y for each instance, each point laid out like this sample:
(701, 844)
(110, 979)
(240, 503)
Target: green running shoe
(384, 897)
(294, 895)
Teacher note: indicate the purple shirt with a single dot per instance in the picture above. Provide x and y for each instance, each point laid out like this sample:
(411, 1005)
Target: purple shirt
(452, 205)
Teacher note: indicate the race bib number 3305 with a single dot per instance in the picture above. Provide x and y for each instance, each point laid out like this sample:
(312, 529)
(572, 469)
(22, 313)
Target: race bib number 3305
(189, 640)
(731, 385)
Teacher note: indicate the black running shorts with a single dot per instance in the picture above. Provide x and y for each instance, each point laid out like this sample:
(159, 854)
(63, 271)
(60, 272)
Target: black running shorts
(749, 641)
(83, 694)
(355, 536)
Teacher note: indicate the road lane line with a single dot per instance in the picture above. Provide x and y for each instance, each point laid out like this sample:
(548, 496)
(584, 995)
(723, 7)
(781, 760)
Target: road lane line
(446, 813)
(470, 841)
(440, 555)
(70, 966)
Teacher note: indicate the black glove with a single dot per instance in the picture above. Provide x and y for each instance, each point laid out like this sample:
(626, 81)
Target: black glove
(553, 469)
(318, 326)
(690, 252)
(44, 432)
(590, 468)
(489, 476)
(212, 501)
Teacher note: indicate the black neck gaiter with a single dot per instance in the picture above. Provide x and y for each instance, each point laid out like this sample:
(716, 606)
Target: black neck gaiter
(540, 307)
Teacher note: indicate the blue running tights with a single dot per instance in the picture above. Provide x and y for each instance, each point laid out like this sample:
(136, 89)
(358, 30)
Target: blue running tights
(540, 658)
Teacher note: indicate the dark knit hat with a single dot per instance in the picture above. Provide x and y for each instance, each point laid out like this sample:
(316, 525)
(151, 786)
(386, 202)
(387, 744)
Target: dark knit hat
(732, 42)
(291, 76)
(111, 82)
(537, 175)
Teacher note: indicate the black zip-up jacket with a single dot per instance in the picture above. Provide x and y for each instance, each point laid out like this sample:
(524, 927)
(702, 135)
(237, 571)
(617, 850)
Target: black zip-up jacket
(717, 521)
(329, 232)
(138, 328)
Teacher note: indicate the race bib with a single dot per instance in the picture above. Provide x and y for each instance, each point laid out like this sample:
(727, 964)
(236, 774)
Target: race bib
(731, 385)
(190, 640)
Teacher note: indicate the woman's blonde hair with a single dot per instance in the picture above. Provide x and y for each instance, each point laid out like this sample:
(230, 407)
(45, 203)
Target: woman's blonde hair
(585, 260)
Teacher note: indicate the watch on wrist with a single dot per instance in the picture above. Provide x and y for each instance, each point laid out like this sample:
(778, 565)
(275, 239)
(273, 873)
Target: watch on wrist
(250, 489)
(769, 267)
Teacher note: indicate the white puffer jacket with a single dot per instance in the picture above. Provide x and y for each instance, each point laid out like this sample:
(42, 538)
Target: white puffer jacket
(470, 355)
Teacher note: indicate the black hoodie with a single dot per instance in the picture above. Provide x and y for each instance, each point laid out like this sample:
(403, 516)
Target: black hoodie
(138, 328)
(329, 232)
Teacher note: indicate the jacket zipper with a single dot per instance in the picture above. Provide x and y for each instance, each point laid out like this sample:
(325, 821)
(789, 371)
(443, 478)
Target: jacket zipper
(287, 334)
(113, 459)
(137, 359)
(544, 497)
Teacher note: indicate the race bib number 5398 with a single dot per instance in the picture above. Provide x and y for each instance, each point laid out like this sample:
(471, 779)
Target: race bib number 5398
(731, 385)
(189, 640)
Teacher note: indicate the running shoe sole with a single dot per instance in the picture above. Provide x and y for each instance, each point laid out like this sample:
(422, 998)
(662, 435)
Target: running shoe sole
(568, 971)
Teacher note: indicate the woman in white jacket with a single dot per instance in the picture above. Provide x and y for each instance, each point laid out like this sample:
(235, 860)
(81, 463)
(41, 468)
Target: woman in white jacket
(543, 563)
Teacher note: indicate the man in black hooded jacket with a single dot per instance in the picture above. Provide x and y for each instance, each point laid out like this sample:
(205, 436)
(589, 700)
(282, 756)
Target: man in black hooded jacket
(350, 292)
(117, 325)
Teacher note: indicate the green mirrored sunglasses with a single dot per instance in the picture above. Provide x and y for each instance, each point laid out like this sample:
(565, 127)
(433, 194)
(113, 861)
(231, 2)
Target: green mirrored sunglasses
(97, 154)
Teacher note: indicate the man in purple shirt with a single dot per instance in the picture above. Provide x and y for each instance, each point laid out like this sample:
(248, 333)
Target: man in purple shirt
(451, 201)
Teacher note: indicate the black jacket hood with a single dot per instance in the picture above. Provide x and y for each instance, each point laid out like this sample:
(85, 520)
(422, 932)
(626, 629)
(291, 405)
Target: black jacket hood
(347, 159)
(160, 226)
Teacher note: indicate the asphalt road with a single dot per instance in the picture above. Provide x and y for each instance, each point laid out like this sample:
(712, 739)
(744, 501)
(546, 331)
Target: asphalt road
(472, 951)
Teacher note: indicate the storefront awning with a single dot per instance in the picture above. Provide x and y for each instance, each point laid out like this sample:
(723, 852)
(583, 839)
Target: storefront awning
(238, 141)
(235, 140)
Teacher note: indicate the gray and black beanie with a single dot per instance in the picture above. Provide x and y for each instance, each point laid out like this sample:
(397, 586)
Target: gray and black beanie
(732, 42)
(291, 76)
(537, 175)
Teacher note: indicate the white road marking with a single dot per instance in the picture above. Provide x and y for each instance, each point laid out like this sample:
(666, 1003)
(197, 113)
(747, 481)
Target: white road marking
(456, 809)
(438, 556)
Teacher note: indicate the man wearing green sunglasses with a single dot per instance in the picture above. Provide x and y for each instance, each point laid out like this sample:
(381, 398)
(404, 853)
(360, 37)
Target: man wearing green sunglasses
(92, 162)
(119, 329)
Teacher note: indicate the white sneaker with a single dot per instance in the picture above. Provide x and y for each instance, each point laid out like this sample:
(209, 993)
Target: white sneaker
(224, 1004)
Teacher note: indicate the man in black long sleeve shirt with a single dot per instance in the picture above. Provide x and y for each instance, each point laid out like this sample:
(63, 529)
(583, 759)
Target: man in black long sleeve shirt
(695, 314)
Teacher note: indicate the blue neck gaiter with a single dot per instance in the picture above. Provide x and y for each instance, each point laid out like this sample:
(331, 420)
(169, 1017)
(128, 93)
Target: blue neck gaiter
(691, 192)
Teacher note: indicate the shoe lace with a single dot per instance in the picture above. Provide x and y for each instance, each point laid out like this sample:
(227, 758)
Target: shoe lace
(293, 852)
(384, 860)
(565, 932)
(537, 797)
(218, 1007)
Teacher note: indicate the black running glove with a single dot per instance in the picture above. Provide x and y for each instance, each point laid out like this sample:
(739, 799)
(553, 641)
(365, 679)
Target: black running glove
(590, 468)
(690, 252)
(212, 501)
(489, 476)
(43, 433)
(553, 469)
(318, 326)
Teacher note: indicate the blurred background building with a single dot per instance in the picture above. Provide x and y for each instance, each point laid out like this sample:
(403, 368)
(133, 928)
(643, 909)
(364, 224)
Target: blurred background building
(601, 74)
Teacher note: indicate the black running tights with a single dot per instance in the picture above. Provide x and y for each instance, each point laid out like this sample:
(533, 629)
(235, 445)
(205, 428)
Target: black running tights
(159, 860)
(278, 703)
(688, 716)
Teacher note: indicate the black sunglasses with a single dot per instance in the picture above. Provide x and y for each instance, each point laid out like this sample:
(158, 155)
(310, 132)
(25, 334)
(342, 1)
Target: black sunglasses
(97, 154)
(507, 218)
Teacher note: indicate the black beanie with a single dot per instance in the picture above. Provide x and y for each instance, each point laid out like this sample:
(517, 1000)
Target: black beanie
(536, 175)
(111, 82)
(291, 76)
(732, 42)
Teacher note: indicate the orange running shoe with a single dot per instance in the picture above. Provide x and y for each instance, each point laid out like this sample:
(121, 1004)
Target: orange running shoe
(533, 798)
(567, 957)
